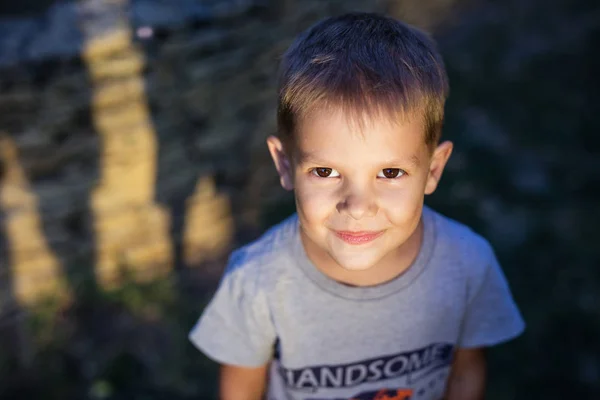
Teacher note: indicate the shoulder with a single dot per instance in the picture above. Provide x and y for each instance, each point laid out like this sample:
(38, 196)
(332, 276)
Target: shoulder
(465, 252)
(459, 241)
(256, 264)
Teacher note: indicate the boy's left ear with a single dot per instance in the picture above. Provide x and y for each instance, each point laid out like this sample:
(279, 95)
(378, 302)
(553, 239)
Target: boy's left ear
(440, 157)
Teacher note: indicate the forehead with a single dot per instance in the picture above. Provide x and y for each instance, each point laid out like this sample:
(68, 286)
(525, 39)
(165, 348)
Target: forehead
(333, 136)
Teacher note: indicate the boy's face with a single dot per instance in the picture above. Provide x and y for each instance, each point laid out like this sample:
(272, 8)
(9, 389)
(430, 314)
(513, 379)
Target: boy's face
(359, 192)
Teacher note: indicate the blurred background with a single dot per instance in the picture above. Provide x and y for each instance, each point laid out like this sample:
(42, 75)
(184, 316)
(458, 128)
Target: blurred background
(132, 160)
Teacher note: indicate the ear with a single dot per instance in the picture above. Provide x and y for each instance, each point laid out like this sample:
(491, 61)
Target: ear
(440, 157)
(282, 162)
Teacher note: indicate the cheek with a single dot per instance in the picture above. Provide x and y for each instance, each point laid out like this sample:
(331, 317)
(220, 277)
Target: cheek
(401, 205)
(315, 202)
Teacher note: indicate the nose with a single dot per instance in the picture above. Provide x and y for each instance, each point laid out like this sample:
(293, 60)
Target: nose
(358, 203)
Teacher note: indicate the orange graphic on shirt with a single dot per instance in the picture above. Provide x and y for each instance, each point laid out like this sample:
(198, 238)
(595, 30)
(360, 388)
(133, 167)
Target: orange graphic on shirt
(387, 394)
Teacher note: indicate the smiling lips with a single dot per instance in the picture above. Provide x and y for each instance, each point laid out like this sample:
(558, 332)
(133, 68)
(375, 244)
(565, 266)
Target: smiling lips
(357, 238)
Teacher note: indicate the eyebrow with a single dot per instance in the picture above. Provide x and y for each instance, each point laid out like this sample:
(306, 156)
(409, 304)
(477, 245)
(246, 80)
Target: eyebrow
(413, 160)
(307, 157)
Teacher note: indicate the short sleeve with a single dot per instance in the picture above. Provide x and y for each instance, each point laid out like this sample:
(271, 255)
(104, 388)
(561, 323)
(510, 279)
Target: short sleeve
(492, 317)
(235, 328)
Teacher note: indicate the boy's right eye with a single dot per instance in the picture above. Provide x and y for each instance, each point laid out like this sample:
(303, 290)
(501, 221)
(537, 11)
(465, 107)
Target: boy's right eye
(325, 172)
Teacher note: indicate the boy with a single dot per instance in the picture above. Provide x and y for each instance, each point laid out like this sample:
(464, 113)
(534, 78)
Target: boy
(364, 293)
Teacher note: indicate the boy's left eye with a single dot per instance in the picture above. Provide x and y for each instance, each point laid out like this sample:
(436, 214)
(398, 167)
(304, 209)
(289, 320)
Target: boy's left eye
(390, 173)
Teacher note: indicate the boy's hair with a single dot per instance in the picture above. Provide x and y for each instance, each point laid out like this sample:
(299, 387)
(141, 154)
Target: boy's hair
(363, 64)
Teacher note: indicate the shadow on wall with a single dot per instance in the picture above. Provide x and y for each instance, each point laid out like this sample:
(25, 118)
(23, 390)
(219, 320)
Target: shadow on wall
(26, 8)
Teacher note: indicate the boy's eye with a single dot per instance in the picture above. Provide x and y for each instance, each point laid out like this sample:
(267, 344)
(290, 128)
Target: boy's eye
(325, 172)
(390, 173)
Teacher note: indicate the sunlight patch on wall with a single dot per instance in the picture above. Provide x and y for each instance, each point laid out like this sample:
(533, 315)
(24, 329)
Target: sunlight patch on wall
(208, 224)
(131, 230)
(36, 272)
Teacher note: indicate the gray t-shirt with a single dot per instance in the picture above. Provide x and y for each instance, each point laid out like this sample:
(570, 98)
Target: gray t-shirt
(328, 340)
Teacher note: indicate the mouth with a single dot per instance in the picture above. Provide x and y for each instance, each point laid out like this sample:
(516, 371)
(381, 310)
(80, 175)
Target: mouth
(357, 238)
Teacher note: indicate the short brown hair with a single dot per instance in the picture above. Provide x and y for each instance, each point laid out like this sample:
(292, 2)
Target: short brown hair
(363, 63)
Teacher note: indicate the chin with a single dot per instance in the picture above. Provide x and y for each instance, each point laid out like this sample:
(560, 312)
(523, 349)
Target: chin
(354, 264)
